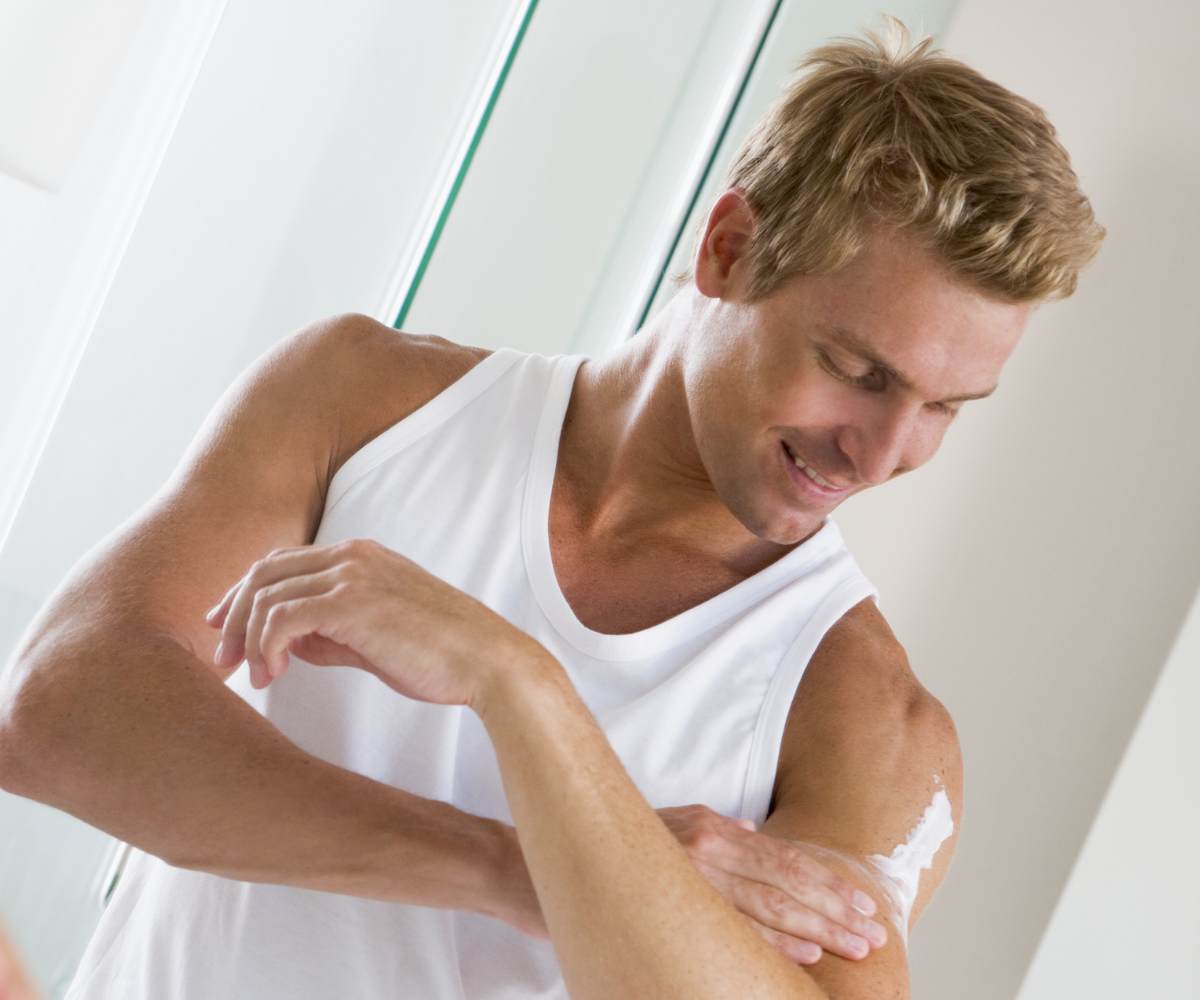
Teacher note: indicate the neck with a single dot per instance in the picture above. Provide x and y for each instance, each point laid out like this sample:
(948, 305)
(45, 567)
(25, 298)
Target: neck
(629, 473)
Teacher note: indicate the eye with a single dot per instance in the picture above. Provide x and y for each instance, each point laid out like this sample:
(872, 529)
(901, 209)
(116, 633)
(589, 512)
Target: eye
(873, 379)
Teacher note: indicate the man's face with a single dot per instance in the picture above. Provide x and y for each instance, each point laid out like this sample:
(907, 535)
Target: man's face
(838, 382)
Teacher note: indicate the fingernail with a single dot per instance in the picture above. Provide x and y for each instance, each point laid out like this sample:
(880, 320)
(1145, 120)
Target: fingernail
(876, 934)
(864, 904)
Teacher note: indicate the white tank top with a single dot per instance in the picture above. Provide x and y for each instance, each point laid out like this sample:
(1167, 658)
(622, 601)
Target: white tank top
(695, 708)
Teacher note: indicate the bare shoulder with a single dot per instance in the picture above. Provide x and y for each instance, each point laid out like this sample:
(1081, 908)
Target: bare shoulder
(866, 751)
(866, 748)
(349, 377)
(254, 478)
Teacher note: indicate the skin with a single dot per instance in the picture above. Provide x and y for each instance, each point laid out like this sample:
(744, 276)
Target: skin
(14, 982)
(675, 481)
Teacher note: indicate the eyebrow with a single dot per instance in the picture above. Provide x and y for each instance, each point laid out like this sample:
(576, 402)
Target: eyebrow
(845, 339)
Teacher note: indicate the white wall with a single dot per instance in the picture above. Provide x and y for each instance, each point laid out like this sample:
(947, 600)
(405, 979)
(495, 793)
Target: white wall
(1040, 568)
(604, 107)
(1127, 924)
(311, 138)
(58, 59)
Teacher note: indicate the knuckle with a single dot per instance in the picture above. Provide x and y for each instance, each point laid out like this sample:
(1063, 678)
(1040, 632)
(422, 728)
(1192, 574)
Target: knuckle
(703, 841)
(345, 549)
(361, 548)
(776, 906)
(795, 856)
(262, 597)
(796, 873)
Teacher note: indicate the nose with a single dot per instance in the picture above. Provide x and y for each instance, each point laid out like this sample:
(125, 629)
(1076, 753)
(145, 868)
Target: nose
(881, 444)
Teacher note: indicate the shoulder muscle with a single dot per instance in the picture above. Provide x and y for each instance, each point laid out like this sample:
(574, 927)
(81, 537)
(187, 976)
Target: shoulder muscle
(865, 744)
(866, 750)
(254, 478)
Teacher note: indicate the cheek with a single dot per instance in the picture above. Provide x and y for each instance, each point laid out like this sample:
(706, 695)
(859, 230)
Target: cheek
(925, 441)
(812, 404)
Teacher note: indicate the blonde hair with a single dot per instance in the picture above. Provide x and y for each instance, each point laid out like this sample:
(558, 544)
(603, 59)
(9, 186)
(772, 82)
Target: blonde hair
(882, 131)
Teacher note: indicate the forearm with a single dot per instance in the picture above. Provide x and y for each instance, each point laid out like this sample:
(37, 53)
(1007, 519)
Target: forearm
(138, 738)
(628, 913)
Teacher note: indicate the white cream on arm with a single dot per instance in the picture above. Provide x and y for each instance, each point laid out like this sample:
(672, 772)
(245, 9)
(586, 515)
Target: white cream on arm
(900, 874)
(902, 871)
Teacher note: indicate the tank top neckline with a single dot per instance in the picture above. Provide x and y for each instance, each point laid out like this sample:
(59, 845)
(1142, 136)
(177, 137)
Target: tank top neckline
(657, 639)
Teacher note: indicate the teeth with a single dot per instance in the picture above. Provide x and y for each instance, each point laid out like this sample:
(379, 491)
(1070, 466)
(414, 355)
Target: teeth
(817, 478)
(812, 474)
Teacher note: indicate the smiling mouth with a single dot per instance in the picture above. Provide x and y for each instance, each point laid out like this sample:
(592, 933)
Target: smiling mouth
(812, 474)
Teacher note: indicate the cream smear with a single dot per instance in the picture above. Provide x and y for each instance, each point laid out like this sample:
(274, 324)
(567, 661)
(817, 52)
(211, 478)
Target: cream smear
(902, 871)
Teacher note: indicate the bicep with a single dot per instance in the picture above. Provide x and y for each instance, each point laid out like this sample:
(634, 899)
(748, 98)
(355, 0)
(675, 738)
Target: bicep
(870, 777)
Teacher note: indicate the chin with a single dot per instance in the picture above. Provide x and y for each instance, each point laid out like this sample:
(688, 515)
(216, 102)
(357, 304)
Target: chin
(781, 527)
(795, 532)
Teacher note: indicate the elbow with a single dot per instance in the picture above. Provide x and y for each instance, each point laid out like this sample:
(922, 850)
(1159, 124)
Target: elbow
(18, 738)
(28, 730)
(17, 775)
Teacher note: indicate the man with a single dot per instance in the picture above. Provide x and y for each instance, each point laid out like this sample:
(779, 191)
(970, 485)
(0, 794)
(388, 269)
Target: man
(592, 589)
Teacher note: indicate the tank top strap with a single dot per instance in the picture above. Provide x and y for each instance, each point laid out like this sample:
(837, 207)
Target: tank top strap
(421, 421)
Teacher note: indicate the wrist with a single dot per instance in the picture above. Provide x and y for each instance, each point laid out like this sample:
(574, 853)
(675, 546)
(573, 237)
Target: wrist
(522, 674)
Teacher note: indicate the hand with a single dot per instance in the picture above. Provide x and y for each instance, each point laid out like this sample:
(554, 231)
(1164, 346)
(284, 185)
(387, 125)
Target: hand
(362, 605)
(798, 905)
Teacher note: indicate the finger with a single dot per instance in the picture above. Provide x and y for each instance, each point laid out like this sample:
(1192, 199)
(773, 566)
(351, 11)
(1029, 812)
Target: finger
(216, 616)
(778, 912)
(716, 840)
(291, 620)
(266, 664)
(789, 868)
(799, 951)
(277, 566)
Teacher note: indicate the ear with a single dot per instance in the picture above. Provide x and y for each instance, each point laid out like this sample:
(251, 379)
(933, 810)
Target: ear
(726, 236)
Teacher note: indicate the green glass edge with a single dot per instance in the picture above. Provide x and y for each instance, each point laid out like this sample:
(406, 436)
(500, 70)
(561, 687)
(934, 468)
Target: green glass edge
(465, 165)
(712, 159)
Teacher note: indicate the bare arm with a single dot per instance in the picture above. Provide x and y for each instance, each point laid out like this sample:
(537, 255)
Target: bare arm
(865, 751)
(629, 915)
(113, 710)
